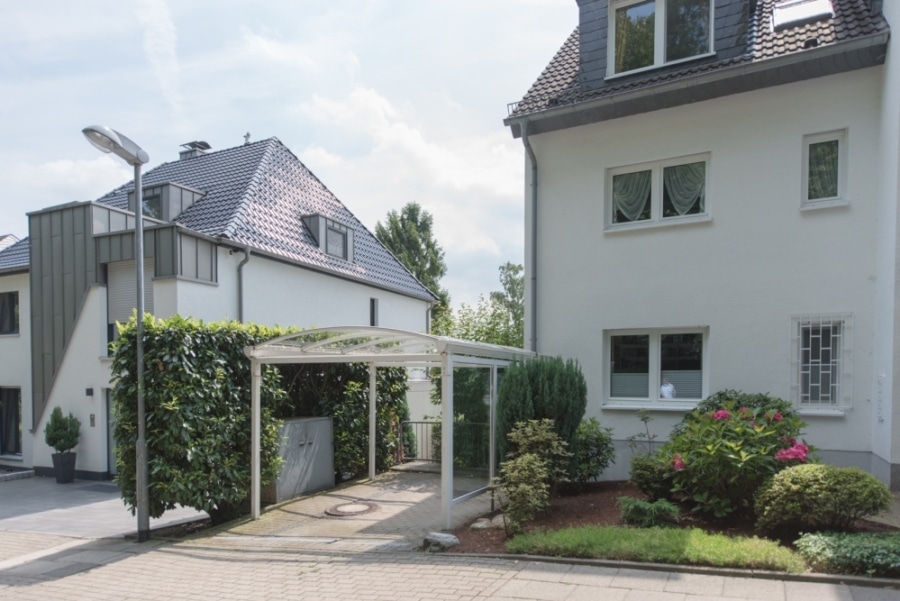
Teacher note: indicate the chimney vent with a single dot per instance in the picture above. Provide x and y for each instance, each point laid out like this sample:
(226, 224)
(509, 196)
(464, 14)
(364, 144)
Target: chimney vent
(193, 149)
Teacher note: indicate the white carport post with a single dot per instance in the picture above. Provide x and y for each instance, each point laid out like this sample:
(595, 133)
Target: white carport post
(255, 377)
(372, 417)
(446, 438)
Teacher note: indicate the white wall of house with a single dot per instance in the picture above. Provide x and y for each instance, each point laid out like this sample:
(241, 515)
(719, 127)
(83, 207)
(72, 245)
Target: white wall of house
(85, 366)
(742, 274)
(15, 367)
(886, 393)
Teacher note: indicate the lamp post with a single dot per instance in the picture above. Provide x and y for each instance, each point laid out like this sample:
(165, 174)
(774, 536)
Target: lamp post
(109, 140)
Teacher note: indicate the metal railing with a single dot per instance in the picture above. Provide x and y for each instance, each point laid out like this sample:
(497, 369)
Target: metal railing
(416, 441)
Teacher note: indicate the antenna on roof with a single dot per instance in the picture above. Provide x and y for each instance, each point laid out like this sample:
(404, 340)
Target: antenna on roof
(246, 138)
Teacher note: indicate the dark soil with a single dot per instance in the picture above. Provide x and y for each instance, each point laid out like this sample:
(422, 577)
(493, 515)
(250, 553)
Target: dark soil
(596, 505)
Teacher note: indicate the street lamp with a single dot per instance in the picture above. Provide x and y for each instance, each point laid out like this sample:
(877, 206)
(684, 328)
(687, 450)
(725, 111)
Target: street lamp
(109, 140)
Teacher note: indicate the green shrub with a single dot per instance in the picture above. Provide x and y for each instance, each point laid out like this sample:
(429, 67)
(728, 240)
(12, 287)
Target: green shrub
(594, 451)
(537, 437)
(542, 388)
(652, 477)
(648, 514)
(525, 481)
(819, 497)
(760, 403)
(872, 554)
(61, 432)
(720, 457)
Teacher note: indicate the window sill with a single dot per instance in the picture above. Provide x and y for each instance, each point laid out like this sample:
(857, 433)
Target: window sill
(670, 222)
(16, 458)
(10, 335)
(679, 407)
(616, 76)
(815, 205)
(836, 412)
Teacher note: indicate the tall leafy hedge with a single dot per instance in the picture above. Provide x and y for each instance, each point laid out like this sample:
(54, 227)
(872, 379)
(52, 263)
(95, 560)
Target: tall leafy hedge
(542, 388)
(197, 397)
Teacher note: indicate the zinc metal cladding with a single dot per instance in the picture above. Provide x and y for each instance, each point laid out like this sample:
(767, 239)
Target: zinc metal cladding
(257, 194)
(561, 81)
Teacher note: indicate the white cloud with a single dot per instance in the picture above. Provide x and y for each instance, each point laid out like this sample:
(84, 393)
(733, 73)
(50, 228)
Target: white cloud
(314, 56)
(160, 46)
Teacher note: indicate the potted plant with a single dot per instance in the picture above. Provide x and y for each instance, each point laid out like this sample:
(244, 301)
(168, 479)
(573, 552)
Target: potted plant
(61, 433)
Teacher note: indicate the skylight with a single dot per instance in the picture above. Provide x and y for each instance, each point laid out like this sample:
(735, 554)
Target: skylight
(790, 13)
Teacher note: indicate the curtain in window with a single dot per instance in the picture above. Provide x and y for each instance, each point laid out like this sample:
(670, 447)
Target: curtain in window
(8, 302)
(631, 193)
(823, 170)
(685, 186)
(10, 435)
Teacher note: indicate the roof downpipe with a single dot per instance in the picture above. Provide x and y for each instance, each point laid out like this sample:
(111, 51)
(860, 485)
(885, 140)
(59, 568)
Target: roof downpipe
(240, 274)
(532, 200)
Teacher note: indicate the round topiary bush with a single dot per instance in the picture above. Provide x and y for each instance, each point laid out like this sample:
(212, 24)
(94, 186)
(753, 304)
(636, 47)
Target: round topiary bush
(819, 497)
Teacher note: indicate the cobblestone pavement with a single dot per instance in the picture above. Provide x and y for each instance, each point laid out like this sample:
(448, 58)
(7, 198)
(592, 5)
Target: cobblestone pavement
(294, 552)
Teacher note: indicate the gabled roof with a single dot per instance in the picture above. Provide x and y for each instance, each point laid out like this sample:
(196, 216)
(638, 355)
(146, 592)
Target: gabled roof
(14, 258)
(561, 85)
(256, 195)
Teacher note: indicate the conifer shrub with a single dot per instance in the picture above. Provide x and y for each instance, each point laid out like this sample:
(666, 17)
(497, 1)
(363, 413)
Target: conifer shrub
(648, 514)
(819, 497)
(542, 388)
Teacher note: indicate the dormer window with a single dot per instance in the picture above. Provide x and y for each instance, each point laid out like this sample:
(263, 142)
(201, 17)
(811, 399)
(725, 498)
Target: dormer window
(650, 33)
(332, 237)
(166, 201)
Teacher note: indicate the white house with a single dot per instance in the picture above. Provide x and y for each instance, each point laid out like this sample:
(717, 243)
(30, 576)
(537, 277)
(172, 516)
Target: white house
(711, 203)
(247, 233)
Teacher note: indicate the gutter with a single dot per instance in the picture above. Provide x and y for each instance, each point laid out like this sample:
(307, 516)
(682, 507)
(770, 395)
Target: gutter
(240, 274)
(533, 198)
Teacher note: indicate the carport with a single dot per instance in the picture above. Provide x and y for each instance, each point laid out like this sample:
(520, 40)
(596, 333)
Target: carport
(384, 347)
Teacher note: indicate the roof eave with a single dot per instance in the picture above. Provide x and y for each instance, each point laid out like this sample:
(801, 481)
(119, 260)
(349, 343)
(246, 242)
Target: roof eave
(858, 53)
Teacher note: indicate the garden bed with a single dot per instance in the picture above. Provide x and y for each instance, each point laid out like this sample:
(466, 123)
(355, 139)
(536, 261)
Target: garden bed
(597, 505)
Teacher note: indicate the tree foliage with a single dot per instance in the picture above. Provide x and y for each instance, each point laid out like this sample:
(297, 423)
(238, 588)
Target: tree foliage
(409, 236)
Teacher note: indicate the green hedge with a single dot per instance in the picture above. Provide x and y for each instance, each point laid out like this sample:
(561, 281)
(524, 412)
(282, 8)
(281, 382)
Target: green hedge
(868, 553)
(197, 397)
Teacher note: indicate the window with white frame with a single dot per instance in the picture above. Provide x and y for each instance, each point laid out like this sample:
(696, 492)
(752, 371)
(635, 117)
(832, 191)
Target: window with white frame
(656, 365)
(821, 360)
(651, 33)
(672, 190)
(824, 169)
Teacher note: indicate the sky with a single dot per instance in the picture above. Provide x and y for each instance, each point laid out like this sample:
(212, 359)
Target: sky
(386, 101)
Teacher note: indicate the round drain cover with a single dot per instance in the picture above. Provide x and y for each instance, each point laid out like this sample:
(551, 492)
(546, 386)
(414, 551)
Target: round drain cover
(349, 509)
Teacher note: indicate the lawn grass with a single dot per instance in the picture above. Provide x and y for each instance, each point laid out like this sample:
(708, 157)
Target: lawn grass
(660, 545)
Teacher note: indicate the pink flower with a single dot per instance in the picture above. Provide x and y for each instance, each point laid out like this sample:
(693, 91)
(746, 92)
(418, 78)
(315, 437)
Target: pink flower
(777, 417)
(797, 452)
(677, 463)
(745, 411)
(721, 415)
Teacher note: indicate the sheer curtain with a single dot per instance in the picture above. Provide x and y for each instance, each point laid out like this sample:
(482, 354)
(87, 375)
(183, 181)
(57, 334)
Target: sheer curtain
(823, 170)
(631, 193)
(685, 186)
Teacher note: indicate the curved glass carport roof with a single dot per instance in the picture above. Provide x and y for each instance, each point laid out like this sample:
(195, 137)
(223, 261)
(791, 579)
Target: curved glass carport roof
(380, 347)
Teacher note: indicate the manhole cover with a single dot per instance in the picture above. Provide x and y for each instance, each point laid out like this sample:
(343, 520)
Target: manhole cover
(350, 509)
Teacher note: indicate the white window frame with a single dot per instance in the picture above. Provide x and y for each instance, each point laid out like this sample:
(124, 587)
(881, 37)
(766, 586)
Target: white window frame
(842, 398)
(656, 193)
(654, 368)
(840, 136)
(659, 38)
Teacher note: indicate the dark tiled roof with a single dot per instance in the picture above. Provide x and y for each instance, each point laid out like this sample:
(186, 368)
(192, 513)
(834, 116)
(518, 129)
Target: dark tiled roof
(15, 257)
(560, 84)
(256, 195)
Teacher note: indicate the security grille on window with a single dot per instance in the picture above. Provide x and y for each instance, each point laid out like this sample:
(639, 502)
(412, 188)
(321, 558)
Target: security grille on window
(648, 33)
(821, 346)
(656, 366)
(654, 192)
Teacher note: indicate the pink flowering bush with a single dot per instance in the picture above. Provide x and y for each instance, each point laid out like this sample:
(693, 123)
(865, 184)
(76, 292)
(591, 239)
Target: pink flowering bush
(720, 456)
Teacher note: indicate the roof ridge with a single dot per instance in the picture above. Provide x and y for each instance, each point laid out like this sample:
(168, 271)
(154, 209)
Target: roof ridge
(237, 217)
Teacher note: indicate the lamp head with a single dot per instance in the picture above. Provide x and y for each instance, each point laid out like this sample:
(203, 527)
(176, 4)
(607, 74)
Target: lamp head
(106, 139)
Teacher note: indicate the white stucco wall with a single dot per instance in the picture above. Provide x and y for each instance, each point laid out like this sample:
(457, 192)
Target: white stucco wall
(744, 273)
(15, 367)
(84, 366)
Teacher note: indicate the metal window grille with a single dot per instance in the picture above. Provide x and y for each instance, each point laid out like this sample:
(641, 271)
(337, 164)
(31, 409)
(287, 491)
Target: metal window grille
(821, 352)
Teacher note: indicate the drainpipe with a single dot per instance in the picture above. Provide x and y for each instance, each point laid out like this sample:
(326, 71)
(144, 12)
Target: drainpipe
(240, 274)
(532, 159)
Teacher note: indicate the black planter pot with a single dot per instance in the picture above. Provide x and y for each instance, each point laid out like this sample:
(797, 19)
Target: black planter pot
(64, 467)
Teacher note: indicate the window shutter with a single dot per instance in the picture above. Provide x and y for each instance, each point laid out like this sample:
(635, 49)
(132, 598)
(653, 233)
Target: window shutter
(121, 290)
